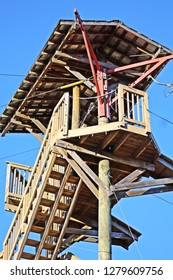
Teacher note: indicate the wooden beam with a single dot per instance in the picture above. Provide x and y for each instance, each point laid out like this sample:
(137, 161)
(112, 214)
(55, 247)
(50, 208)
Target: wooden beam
(23, 116)
(84, 138)
(28, 128)
(83, 59)
(157, 190)
(120, 141)
(90, 232)
(116, 223)
(108, 139)
(36, 135)
(167, 162)
(72, 239)
(132, 176)
(124, 228)
(79, 171)
(87, 170)
(135, 175)
(68, 215)
(142, 148)
(123, 187)
(104, 212)
(13, 121)
(81, 77)
(39, 125)
(106, 155)
(35, 121)
(70, 31)
(20, 166)
(97, 129)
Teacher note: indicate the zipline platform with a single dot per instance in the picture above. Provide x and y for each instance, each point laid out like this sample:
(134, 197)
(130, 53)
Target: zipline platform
(62, 102)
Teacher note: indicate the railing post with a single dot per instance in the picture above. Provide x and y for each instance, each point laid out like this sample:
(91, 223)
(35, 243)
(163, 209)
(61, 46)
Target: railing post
(76, 107)
(121, 104)
(66, 113)
(146, 113)
(7, 188)
(5, 252)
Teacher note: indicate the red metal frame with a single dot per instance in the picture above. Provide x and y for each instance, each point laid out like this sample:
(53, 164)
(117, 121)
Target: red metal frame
(100, 76)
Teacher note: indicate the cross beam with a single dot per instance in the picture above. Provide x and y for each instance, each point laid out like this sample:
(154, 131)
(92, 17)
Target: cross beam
(136, 185)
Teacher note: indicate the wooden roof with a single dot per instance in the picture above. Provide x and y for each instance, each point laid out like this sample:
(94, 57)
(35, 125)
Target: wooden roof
(114, 43)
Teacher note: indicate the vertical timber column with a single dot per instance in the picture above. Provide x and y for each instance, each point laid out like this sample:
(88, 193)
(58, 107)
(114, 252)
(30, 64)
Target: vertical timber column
(104, 211)
(76, 107)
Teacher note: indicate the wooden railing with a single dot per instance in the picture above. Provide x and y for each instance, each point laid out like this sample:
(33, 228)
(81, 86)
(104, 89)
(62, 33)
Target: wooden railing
(60, 118)
(32, 190)
(17, 179)
(133, 107)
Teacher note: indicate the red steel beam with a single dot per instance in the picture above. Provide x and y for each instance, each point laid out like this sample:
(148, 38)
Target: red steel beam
(157, 61)
(138, 64)
(90, 53)
(98, 73)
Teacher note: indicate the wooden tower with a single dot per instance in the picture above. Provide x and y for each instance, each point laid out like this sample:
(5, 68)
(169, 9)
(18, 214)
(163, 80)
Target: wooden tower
(85, 100)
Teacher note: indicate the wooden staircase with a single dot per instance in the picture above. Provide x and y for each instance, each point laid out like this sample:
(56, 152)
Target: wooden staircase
(45, 207)
(42, 226)
(44, 210)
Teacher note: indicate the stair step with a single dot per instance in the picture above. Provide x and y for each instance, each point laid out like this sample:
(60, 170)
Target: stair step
(68, 193)
(60, 161)
(58, 176)
(63, 206)
(58, 220)
(39, 229)
(44, 216)
(41, 216)
(53, 189)
(46, 202)
(32, 242)
(49, 203)
(30, 256)
(35, 243)
(53, 233)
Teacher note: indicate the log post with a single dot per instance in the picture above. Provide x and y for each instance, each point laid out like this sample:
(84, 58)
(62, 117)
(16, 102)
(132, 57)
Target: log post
(104, 209)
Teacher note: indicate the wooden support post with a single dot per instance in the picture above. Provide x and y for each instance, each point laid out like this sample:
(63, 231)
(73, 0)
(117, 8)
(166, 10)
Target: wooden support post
(76, 107)
(104, 223)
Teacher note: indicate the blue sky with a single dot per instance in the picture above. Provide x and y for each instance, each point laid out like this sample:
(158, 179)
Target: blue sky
(25, 28)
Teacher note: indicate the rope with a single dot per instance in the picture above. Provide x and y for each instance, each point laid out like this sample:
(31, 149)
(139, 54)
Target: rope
(124, 216)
